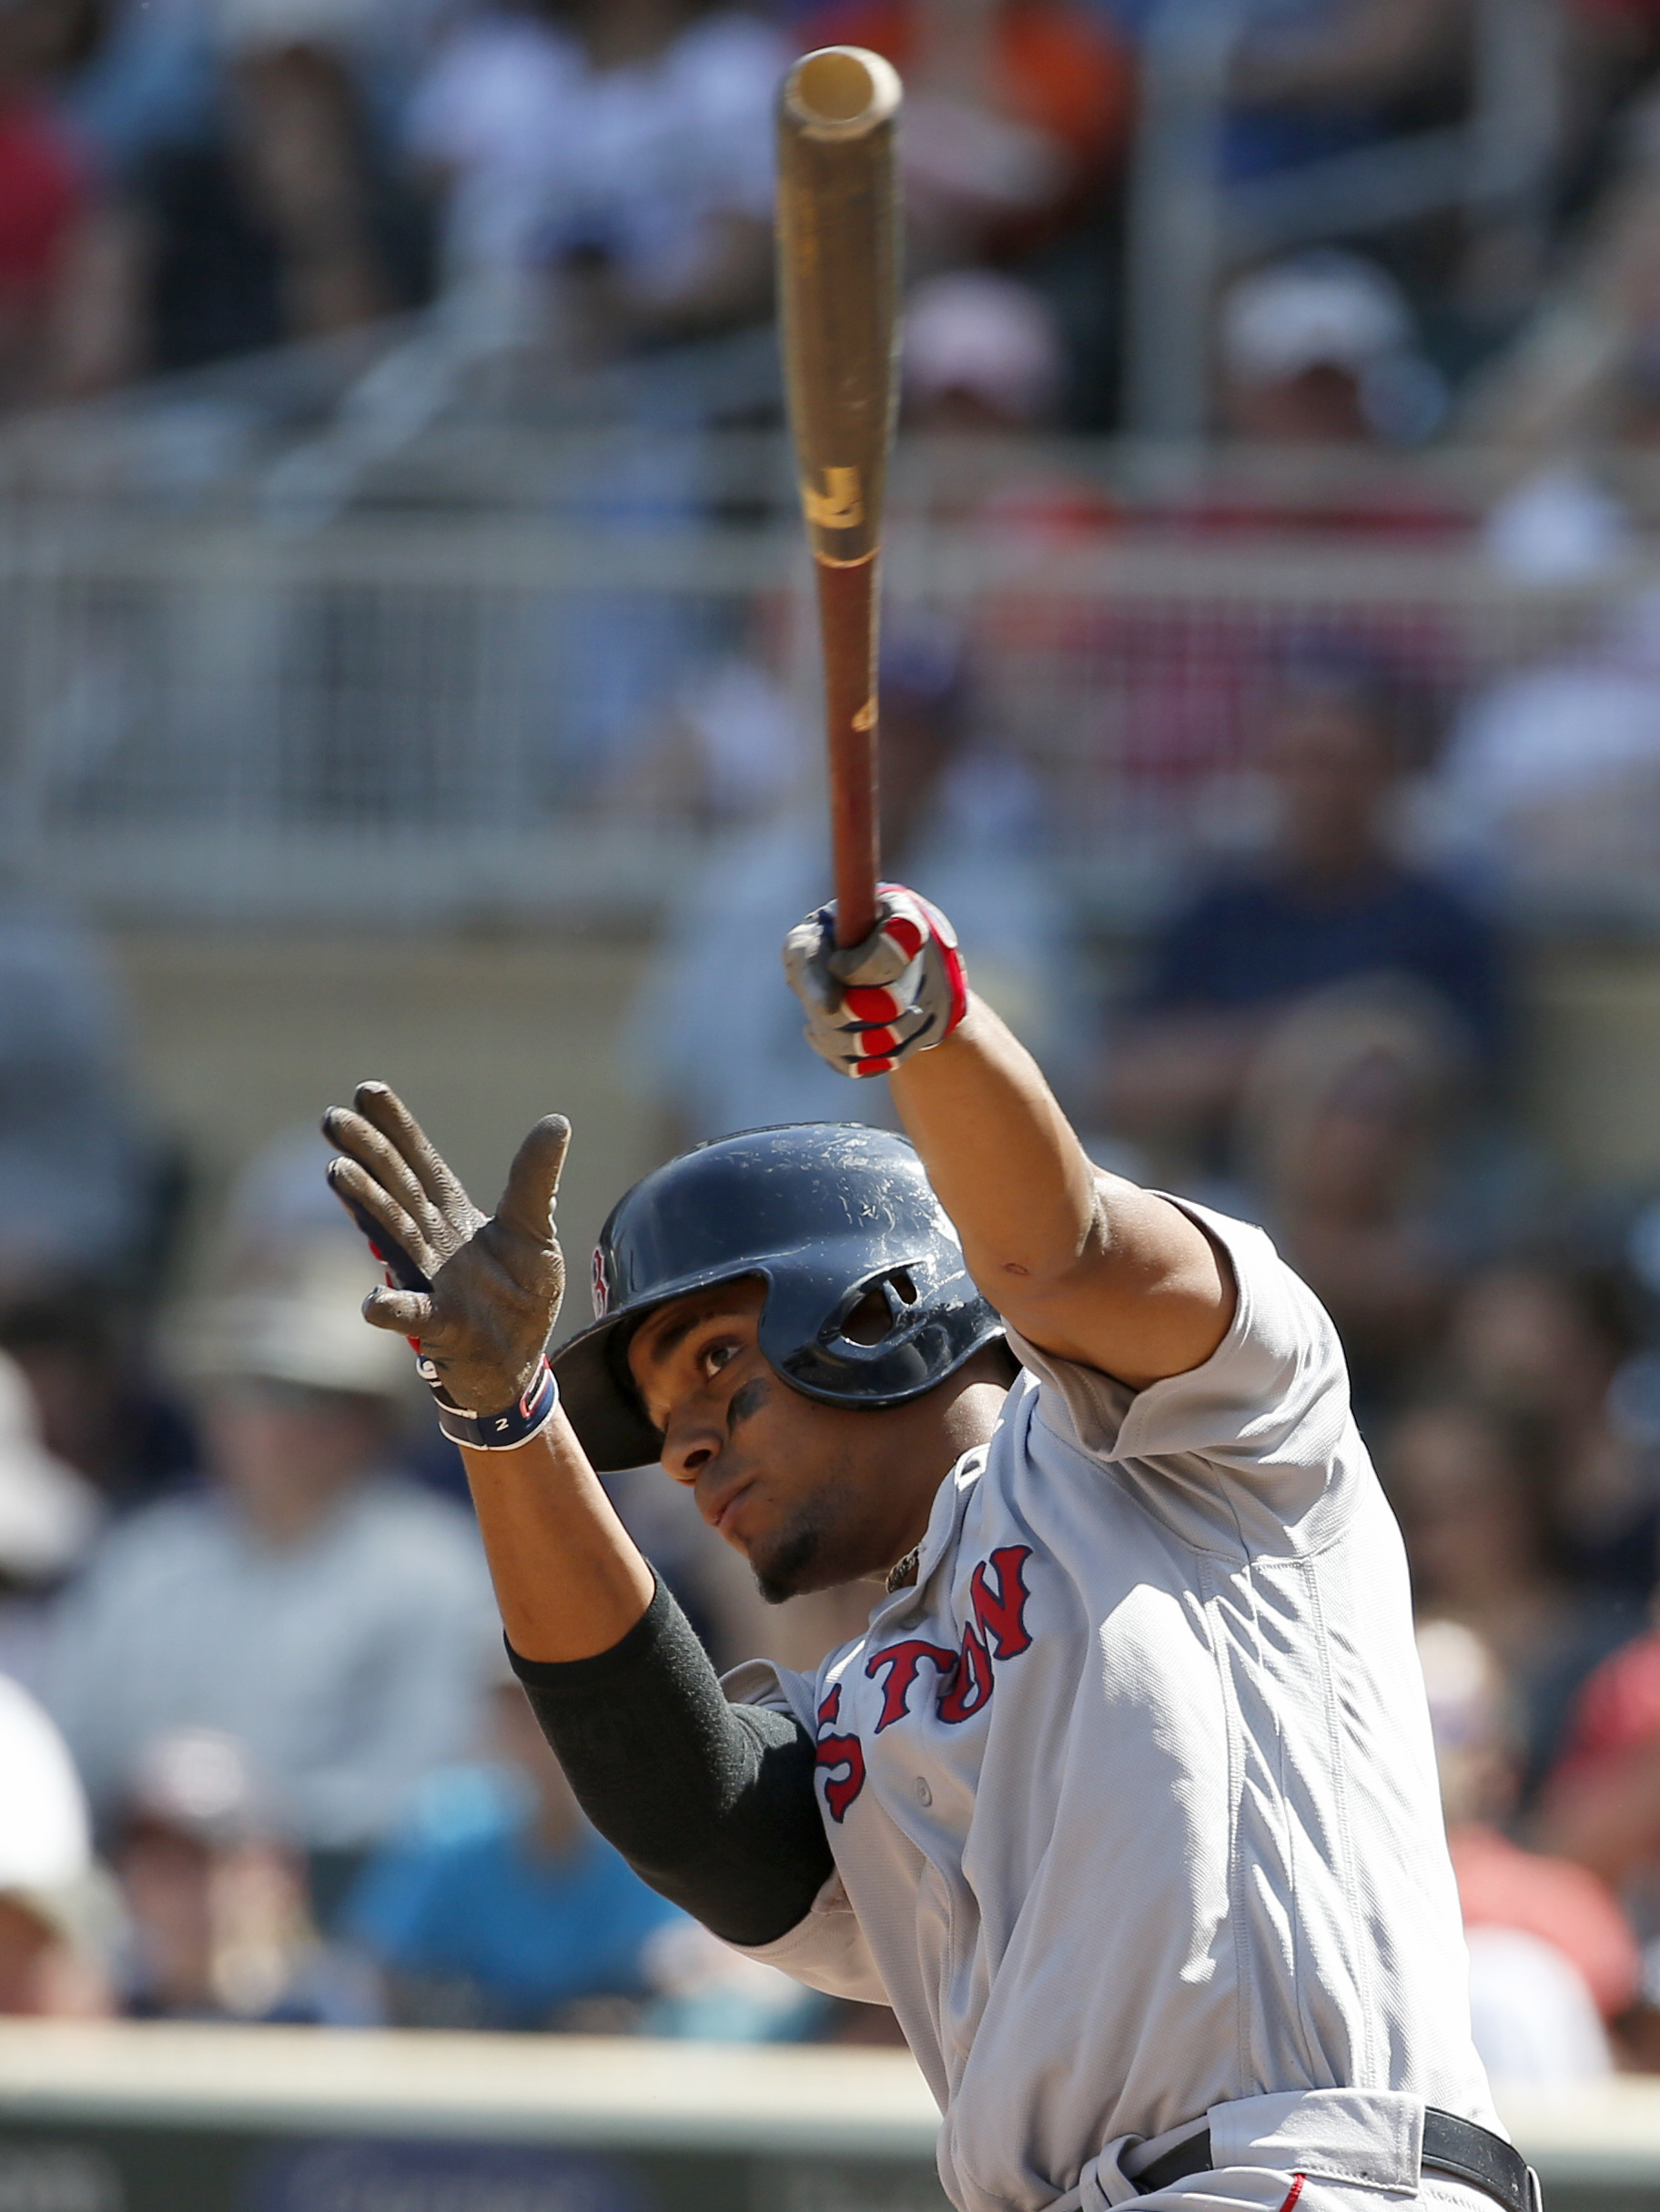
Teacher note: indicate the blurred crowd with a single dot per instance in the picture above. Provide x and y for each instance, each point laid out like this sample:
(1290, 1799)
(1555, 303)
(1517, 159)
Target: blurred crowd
(185, 180)
(262, 1758)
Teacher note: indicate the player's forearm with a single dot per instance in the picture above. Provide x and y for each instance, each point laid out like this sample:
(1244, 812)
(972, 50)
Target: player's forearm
(1000, 1154)
(712, 1804)
(570, 1580)
(1081, 1263)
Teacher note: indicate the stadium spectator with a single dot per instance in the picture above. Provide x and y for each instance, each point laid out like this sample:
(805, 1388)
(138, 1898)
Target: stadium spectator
(1552, 1959)
(1017, 111)
(49, 1517)
(496, 1905)
(1474, 1490)
(54, 239)
(1352, 1141)
(1330, 901)
(57, 1918)
(955, 822)
(302, 145)
(614, 155)
(218, 1924)
(75, 1187)
(332, 1618)
(101, 1407)
(1322, 351)
(1552, 773)
(981, 353)
(1315, 77)
(259, 193)
(1552, 1339)
(1601, 1806)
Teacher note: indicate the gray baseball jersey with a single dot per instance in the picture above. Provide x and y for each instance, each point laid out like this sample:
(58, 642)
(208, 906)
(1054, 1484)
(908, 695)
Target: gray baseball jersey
(1132, 1797)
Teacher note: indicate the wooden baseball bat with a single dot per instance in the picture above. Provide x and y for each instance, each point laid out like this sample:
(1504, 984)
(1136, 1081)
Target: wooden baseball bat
(839, 288)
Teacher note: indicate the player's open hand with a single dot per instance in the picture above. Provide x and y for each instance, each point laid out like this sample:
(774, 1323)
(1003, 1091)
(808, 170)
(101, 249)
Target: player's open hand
(478, 1294)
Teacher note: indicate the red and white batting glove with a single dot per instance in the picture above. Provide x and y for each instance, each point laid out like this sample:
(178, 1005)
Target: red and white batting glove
(873, 1004)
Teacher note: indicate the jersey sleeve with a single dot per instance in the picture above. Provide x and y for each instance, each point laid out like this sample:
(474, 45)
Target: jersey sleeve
(1257, 1440)
(826, 1949)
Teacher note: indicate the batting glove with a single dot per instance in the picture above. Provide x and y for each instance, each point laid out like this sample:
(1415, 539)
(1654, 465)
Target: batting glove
(872, 1006)
(476, 1297)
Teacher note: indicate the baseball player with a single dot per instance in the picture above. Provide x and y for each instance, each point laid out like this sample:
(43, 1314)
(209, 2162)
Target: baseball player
(1124, 1799)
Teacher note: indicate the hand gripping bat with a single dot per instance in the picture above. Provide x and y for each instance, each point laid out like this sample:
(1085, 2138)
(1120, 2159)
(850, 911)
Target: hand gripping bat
(838, 284)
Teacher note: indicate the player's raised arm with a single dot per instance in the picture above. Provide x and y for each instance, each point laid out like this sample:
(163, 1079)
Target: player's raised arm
(1082, 1263)
(480, 1296)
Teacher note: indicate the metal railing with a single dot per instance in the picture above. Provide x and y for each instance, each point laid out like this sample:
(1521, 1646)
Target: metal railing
(476, 688)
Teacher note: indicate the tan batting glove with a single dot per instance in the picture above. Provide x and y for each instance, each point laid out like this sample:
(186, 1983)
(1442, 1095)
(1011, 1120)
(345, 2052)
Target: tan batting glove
(477, 1295)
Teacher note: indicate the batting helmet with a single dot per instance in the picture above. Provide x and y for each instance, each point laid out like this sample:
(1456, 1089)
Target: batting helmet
(825, 1213)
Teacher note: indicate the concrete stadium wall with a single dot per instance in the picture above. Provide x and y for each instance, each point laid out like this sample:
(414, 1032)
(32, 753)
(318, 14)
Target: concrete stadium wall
(242, 1036)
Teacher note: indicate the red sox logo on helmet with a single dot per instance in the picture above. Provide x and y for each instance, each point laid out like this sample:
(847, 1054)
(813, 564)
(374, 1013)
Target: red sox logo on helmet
(601, 1288)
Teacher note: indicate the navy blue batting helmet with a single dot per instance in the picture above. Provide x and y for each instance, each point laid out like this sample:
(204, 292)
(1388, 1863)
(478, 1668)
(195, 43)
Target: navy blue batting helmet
(826, 1213)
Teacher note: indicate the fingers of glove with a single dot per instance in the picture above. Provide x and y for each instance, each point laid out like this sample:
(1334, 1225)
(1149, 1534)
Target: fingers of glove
(382, 1105)
(353, 1183)
(405, 1313)
(362, 1142)
(849, 1046)
(888, 1002)
(390, 1255)
(878, 1040)
(852, 1060)
(533, 1180)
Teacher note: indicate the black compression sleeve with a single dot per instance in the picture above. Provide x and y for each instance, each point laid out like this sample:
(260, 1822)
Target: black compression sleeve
(712, 1804)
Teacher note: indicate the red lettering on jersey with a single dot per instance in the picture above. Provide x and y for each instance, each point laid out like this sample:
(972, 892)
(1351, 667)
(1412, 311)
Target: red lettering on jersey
(841, 1751)
(901, 1662)
(835, 1752)
(998, 1598)
(969, 1685)
(1003, 1617)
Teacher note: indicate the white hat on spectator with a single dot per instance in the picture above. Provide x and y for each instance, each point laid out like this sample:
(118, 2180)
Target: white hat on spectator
(1325, 309)
(198, 1782)
(48, 1514)
(46, 1866)
(306, 1329)
(978, 332)
(44, 1840)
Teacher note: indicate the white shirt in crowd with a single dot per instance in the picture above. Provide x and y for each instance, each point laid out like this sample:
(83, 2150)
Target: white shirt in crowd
(1132, 1797)
(348, 1665)
(550, 156)
(714, 1040)
(1532, 2017)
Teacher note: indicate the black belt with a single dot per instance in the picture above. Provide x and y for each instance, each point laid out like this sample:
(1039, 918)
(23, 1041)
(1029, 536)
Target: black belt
(1450, 2146)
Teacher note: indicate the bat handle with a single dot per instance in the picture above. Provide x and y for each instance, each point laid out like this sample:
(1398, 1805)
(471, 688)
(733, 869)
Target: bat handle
(847, 620)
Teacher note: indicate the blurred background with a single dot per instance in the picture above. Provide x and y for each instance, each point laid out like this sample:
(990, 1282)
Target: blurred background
(408, 670)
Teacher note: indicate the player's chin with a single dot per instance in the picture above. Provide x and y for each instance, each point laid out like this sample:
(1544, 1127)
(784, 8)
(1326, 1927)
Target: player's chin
(789, 1563)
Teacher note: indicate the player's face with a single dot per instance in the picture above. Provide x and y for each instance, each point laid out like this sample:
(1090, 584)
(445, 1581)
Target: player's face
(811, 1494)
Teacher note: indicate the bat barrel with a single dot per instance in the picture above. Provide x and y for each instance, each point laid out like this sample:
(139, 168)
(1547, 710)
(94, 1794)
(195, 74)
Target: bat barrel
(838, 281)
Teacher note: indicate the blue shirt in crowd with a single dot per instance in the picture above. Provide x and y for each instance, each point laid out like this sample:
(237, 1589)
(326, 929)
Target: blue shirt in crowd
(1248, 941)
(468, 1894)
